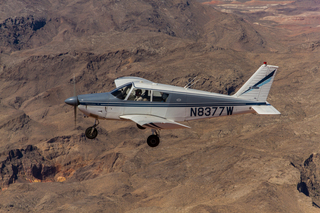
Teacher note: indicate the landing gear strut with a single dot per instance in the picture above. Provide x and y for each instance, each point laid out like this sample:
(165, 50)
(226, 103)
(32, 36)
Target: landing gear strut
(92, 132)
(153, 140)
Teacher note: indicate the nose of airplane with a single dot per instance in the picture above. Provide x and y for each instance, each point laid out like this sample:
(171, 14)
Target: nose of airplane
(72, 101)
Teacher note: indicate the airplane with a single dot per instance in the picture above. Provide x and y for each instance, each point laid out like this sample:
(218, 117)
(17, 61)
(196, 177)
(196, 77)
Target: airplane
(158, 106)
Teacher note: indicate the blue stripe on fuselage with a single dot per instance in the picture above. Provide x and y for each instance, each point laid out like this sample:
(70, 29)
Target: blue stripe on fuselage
(168, 105)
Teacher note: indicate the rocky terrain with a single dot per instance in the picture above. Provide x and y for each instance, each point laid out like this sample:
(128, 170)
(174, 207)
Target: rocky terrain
(245, 163)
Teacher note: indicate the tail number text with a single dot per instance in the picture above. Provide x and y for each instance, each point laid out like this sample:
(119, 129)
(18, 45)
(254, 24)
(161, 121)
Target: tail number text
(210, 111)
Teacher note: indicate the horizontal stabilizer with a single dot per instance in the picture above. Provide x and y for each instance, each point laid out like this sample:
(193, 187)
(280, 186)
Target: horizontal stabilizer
(266, 110)
(153, 122)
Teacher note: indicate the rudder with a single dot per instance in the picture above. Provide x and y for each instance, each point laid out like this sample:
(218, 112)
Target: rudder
(258, 86)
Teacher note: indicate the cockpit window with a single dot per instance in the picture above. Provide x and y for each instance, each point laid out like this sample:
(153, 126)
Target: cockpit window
(159, 96)
(140, 95)
(122, 92)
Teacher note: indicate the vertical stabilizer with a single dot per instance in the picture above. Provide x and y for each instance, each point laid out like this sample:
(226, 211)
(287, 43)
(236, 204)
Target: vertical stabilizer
(258, 86)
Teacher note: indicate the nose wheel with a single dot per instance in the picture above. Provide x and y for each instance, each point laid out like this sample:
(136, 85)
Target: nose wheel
(154, 140)
(92, 132)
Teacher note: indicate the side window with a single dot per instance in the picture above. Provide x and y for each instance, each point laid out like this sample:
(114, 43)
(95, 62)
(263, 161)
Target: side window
(122, 92)
(139, 95)
(159, 96)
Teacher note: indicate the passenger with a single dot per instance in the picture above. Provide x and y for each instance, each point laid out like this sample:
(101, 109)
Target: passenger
(145, 96)
(138, 95)
(164, 96)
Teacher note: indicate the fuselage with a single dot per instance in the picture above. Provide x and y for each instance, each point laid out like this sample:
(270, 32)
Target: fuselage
(165, 101)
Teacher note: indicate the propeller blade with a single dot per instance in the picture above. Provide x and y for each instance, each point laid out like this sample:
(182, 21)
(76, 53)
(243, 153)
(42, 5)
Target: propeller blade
(74, 101)
(75, 116)
(74, 85)
(75, 95)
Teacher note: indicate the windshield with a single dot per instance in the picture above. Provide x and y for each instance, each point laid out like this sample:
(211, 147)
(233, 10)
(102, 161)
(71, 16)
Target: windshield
(122, 91)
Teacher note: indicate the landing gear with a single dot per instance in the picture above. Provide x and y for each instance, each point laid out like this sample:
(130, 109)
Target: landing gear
(92, 132)
(153, 140)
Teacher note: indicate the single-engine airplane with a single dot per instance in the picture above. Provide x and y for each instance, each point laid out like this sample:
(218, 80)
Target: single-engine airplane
(159, 106)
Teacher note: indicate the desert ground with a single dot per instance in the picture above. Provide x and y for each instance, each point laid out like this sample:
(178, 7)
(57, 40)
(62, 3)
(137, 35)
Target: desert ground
(244, 163)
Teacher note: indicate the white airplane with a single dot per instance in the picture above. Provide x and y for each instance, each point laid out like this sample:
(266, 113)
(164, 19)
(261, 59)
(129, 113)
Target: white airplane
(159, 106)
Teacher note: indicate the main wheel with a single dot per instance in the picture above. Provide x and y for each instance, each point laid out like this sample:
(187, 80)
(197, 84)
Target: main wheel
(91, 132)
(153, 140)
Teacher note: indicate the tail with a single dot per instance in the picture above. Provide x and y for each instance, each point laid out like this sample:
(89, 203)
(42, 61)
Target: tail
(257, 88)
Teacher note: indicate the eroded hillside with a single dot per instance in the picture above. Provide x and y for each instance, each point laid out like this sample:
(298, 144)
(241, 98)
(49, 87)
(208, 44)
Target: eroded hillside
(245, 163)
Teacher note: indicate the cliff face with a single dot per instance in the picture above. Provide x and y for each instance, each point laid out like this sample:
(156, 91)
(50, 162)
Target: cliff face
(245, 163)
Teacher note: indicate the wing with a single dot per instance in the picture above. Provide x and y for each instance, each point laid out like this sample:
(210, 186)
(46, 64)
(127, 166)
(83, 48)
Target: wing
(153, 122)
(127, 79)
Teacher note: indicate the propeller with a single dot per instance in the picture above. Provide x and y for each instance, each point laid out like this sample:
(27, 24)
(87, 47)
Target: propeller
(75, 95)
(73, 101)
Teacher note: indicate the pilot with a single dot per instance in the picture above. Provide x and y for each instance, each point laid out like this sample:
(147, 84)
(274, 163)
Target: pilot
(138, 95)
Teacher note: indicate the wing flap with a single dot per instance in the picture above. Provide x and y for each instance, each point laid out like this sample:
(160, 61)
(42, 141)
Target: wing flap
(153, 122)
(266, 110)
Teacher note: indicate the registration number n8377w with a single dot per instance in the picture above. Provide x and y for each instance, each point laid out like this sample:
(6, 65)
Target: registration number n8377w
(210, 111)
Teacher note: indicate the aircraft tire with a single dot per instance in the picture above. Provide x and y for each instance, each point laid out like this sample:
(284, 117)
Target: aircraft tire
(153, 140)
(91, 132)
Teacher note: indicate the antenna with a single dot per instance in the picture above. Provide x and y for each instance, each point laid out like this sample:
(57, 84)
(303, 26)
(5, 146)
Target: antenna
(190, 84)
(194, 83)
